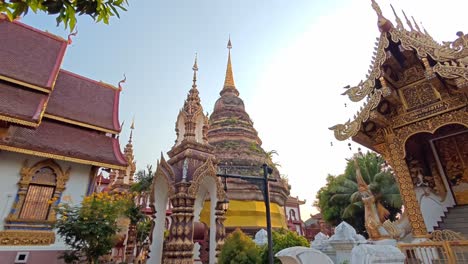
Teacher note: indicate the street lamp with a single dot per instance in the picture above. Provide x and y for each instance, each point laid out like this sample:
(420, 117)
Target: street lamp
(264, 186)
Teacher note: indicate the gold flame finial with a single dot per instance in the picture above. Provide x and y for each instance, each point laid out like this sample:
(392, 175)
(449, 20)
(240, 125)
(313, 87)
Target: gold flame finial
(397, 18)
(229, 79)
(384, 24)
(407, 21)
(416, 25)
(376, 8)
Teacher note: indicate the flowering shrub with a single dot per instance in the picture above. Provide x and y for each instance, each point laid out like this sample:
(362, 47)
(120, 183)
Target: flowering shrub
(90, 228)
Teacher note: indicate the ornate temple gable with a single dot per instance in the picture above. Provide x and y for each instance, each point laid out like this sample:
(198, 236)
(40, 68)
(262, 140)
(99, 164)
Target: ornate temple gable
(191, 121)
(191, 148)
(208, 169)
(411, 77)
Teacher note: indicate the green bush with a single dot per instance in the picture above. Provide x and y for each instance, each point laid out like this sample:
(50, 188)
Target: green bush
(283, 239)
(239, 249)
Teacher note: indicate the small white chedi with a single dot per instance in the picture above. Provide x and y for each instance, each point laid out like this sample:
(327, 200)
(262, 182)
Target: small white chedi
(261, 237)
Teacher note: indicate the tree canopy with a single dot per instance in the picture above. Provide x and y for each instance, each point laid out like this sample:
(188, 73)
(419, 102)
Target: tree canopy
(65, 11)
(340, 199)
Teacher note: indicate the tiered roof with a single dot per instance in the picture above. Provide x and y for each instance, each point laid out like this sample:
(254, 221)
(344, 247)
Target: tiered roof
(402, 57)
(51, 112)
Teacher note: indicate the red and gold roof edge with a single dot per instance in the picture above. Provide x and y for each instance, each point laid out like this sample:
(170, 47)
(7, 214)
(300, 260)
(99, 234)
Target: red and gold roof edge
(53, 77)
(121, 162)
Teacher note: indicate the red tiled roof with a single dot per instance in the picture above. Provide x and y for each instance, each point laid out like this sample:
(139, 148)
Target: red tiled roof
(19, 103)
(61, 141)
(29, 55)
(86, 101)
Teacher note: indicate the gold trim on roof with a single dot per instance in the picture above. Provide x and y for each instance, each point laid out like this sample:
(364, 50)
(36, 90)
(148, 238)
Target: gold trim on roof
(19, 121)
(351, 128)
(425, 45)
(364, 88)
(452, 70)
(25, 84)
(78, 123)
(60, 157)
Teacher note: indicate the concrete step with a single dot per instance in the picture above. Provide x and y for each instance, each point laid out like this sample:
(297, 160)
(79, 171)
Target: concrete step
(454, 225)
(454, 220)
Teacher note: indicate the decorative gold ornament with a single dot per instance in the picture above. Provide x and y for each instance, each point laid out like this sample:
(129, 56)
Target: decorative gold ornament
(364, 88)
(351, 128)
(26, 238)
(446, 235)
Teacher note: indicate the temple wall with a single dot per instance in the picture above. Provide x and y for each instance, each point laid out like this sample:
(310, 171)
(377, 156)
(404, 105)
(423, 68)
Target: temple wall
(10, 166)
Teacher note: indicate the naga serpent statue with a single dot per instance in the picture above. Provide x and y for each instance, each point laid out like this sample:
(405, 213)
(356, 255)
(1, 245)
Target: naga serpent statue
(377, 225)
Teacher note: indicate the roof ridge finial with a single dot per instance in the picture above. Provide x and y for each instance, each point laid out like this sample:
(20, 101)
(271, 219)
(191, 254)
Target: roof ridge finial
(376, 7)
(424, 30)
(122, 81)
(416, 25)
(195, 69)
(397, 18)
(229, 79)
(384, 24)
(69, 40)
(408, 21)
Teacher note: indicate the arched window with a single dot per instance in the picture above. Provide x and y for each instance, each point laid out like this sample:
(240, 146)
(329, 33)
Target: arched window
(40, 187)
(39, 194)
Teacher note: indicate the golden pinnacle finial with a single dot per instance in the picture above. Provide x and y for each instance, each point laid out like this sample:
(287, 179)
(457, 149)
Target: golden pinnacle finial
(376, 8)
(229, 79)
(383, 23)
(407, 21)
(132, 126)
(229, 45)
(397, 18)
(195, 69)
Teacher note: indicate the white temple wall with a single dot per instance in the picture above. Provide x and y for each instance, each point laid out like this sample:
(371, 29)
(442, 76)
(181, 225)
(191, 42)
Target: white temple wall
(10, 166)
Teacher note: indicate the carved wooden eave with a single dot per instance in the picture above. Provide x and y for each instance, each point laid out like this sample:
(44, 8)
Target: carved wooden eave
(364, 88)
(449, 60)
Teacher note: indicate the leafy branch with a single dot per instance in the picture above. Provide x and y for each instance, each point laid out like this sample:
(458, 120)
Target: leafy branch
(66, 11)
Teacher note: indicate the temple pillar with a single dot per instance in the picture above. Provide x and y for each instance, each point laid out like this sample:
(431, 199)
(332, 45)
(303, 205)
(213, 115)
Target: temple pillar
(220, 230)
(394, 153)
(179, 247)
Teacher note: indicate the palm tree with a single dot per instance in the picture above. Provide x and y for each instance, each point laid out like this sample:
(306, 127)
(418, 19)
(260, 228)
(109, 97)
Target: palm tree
(381, 182)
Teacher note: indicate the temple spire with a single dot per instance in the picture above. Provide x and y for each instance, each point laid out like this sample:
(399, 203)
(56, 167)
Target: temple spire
(132, 126)
(229, 79)
(192, 103)
(195, 69)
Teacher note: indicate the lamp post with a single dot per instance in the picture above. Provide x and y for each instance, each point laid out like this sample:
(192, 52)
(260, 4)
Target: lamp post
(263, 184)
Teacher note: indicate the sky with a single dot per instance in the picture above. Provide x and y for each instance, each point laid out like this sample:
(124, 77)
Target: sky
(291, 60)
